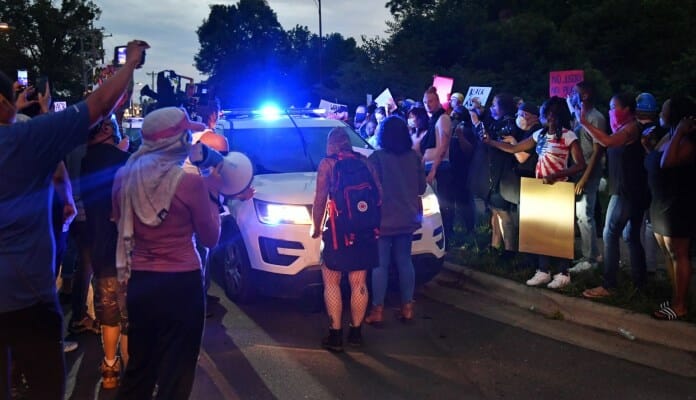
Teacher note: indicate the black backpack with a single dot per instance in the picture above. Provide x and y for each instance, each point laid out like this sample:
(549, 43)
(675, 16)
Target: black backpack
(354, 203)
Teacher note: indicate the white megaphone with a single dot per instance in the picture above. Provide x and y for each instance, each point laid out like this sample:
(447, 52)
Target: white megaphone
(236, 173)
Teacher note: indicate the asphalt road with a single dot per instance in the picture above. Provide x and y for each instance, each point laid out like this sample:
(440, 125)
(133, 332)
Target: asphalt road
(270, 350)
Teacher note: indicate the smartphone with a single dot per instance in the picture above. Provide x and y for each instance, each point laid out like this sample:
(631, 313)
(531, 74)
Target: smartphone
(59, 106)
(120, 55)
(22, 77)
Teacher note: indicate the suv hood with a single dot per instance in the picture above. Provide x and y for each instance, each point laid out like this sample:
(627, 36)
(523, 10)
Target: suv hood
(290, 188)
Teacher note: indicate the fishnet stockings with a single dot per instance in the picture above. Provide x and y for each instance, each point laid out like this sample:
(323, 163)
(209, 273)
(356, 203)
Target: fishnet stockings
(334, 302)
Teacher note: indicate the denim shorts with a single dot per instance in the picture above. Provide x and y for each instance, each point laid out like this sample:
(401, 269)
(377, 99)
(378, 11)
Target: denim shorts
(110, 303)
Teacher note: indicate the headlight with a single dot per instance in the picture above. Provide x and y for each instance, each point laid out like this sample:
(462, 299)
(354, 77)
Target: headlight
(274, 214)
(430, 204)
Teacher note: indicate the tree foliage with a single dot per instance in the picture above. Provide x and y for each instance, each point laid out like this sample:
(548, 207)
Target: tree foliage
(54, 41)
(512, 45)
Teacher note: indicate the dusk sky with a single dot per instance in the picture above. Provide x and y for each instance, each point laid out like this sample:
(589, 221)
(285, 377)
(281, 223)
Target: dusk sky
(170, 26)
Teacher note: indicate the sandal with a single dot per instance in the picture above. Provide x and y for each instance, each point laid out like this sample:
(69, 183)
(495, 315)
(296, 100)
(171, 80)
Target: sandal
(597, 293)
(666, 314)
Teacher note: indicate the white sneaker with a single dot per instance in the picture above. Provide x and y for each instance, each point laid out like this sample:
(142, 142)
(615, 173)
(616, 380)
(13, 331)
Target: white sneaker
(582, 266)
(559, 281)
(539, 278)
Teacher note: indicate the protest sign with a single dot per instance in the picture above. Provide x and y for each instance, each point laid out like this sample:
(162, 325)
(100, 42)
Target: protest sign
(443, 85)
(561, 83)
(334, 110)
(480, 92)
(547, 217)
(384, 99)
(59, 105)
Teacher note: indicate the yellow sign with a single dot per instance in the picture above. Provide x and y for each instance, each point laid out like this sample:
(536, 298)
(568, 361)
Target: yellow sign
(547, 218)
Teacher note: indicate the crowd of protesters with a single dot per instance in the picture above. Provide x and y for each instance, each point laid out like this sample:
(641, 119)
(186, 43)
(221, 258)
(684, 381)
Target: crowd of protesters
(129, 220)
(475, 156)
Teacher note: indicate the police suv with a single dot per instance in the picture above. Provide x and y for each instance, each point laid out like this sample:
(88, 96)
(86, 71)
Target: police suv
(265, 245)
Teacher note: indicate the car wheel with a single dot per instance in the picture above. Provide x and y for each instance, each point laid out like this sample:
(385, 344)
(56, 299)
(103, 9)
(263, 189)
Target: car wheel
(236, 271)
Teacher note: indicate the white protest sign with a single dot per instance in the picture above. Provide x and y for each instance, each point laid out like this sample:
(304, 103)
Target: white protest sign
(59, 106)
(480, 92)
(384, 99)
(334, 110)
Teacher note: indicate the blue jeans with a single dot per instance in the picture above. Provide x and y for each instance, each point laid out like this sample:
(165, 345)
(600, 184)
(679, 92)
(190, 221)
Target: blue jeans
(584, 212)
(619, 212)
(397, 248)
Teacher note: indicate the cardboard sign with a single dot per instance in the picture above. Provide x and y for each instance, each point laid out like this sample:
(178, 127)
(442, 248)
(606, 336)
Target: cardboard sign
(561, 83)
(384, 99)
(480, 92)
(334, 110)
(547, 217)
(444, 85)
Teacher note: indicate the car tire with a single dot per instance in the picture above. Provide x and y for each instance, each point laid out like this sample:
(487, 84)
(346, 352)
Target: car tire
(236, 273)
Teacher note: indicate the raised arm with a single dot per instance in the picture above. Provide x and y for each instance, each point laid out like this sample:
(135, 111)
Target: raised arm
(627, 134)
(526, 144)
(680, 151)
(103, 100)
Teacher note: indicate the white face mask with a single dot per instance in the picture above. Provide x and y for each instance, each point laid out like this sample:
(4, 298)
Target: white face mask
(411, 123)
(521, 123)
(663, 123)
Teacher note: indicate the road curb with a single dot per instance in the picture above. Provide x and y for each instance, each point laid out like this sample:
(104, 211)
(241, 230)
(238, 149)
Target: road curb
(675, 334)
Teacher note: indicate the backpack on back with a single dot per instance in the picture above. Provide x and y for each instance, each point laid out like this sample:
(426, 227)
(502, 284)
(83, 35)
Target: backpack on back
(354, 203)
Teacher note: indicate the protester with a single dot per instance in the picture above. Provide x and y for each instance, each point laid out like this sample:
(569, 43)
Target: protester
(354, 259)
(627, 187)
(435, 147)
(418, 127)
(587, 186)
(488, 166)
(102, 159)
(159, 208)
(401, 173)
(555, 144)
(671, 168)
(30, 316)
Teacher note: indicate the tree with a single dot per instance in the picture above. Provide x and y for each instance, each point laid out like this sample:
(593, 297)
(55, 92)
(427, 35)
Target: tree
(57, 42)
(242, 50)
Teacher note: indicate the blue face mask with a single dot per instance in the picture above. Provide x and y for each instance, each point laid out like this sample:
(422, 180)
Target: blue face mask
(575, 100)
(359, 117)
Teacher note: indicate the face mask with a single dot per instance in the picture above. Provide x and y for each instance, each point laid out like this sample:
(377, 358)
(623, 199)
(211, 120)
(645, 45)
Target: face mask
(618, 118)
(575, 100)
(521, 123)
(663, 123)
(411, 123)
(359, 118)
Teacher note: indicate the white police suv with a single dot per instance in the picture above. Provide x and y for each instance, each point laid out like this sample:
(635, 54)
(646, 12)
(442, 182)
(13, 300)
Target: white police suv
(265, 245)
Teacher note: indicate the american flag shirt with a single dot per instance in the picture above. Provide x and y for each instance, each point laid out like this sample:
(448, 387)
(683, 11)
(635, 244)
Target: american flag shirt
(553, 152)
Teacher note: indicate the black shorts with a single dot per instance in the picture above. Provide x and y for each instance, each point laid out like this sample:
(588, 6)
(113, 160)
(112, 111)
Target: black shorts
(110, 303)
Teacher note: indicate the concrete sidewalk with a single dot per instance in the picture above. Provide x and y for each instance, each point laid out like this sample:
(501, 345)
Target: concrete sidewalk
(633, 326)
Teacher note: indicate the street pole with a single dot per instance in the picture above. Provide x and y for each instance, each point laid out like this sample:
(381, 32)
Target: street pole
(321, 44)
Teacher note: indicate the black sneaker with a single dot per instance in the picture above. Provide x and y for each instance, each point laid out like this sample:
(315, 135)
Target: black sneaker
(355, 336)
(333, 342)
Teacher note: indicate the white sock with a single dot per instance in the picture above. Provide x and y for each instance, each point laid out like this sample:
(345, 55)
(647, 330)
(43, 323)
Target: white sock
(110, 363)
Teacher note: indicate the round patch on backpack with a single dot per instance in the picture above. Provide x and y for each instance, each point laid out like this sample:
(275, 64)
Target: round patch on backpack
(362, 206)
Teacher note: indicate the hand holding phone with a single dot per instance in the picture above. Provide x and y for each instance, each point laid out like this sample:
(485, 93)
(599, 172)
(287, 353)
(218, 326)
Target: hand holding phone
(22, 78)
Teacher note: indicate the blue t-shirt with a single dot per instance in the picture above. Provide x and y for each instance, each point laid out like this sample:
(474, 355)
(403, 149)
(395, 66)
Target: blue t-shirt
(30, 152)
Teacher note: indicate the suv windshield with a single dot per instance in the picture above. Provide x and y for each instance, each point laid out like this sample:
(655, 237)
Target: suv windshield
(278, 150)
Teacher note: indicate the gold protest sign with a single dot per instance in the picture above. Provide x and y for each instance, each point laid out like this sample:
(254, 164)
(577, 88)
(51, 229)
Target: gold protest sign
(547, 217)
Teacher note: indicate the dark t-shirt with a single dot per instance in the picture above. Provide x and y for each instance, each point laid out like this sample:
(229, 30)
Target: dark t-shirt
(97, 178)
(31, 151)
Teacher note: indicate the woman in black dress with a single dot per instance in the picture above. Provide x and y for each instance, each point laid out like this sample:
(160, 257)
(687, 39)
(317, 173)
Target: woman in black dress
(671, 165)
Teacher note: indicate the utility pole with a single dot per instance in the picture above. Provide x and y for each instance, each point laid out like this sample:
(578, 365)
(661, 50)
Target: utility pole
(321, 44)
(152, 75)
